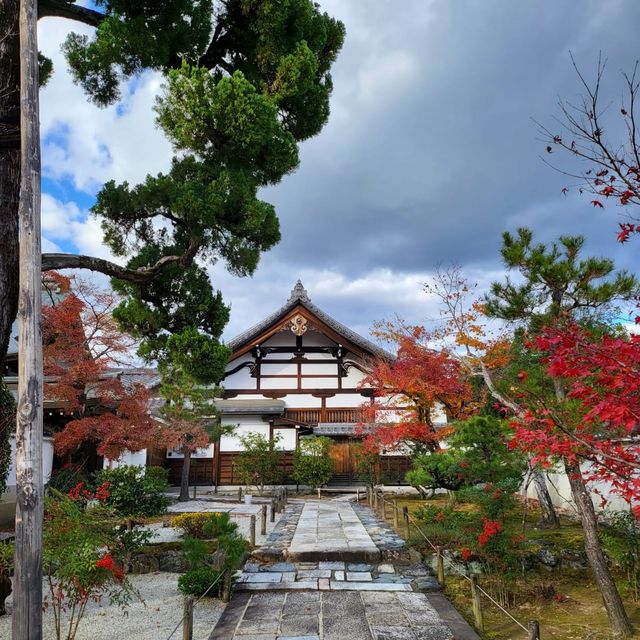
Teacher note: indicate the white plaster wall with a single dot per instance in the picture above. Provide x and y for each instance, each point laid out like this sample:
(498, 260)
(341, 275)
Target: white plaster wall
(347, 400)
(134, 459)
(289, 439)
(280, 339)
(302, 401)
(244, 425)
(353, 378)
(330, 368)
(289, 369)
(205, 452)
(560, 492)
(47, 461)
(240, 380)
(279, 383)
(317, 339)
(320, 383)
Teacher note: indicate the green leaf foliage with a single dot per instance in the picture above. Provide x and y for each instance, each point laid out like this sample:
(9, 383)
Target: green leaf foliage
(554, 280)
(135, 491)
(312, 465)
(246, 80)
(477, 452)
(259, 461)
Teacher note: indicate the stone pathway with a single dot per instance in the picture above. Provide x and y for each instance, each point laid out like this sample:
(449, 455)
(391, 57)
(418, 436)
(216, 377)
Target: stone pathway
(331, 570)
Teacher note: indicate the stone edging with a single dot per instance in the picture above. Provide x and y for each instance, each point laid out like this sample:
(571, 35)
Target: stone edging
(383, 535)
(280, 538)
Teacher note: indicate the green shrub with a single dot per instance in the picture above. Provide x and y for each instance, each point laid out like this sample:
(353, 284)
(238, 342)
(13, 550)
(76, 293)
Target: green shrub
(135, 491)
(312, 465)
(622, 542)
(219, 524)
(494, 499)
(192, 524)
(195, 552)
(67, 478)
(196, 582)
(259, 462)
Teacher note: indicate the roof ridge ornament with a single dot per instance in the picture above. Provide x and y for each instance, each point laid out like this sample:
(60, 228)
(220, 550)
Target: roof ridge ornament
(299, 293)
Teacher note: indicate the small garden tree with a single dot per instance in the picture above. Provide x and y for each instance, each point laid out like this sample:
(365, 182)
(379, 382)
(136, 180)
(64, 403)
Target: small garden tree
(187, 410)
(85, 558)
(259, 461)
(559, 287)
(82, 345)
(312, 465)
(410, 389)
(477, 452)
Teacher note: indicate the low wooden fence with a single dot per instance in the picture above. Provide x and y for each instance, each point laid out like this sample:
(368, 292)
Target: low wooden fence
(403, 521)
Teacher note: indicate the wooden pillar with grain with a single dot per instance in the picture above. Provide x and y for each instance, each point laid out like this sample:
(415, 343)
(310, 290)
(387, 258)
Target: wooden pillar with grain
(252, 531)
(533, 630)
(375, 500)
(27, 581)
(476, 604)
(263, 520)
(239, 494)
(187, 620)
(440, 565)
(405, 517)
(396, 523)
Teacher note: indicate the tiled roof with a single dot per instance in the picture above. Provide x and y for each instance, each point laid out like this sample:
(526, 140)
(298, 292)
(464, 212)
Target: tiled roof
(300, 296)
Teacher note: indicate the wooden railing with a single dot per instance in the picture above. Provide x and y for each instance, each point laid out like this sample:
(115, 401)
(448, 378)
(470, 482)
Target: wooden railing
(334, 415)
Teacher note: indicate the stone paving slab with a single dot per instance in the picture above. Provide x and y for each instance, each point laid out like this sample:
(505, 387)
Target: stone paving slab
(353, 615)
(330, 530)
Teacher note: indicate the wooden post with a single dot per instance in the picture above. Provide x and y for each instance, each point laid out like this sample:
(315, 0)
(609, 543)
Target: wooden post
(263, 520)
(375, 500)
(533, 630)
(369, 496)
(252, 531)
(318, 493)
(187, 620)
(27, 582)
(395, 513)
(226, 587)
(285, 494)
(440, 566)
(405, 517)
(239, 494)
(476, 604)
(273, 510)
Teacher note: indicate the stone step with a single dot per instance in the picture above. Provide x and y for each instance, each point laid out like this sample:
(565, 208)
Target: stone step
(321, 584)
(363, 554)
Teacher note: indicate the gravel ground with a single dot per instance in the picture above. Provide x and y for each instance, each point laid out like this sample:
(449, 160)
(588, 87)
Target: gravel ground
(153, 620)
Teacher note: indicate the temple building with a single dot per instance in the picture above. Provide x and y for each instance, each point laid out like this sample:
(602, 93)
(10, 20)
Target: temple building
(298, 372)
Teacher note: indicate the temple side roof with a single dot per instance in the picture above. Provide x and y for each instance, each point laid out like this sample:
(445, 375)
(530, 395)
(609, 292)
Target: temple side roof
(299, 296)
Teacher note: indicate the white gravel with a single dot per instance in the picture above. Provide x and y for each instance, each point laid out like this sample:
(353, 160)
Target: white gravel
(153, 620)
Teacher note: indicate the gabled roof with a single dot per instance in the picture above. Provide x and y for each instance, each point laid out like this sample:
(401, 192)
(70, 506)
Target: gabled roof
(299, 298)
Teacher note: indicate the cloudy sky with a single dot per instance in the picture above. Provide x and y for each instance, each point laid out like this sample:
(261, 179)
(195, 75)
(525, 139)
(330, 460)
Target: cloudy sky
(430, 152)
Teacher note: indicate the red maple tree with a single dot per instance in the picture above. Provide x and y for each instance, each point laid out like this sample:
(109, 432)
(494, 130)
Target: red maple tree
(410, 389)
(82, 346)
(599, 424)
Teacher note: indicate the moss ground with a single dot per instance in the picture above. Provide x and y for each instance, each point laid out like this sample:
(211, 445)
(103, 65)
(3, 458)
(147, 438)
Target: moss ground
(575, 613)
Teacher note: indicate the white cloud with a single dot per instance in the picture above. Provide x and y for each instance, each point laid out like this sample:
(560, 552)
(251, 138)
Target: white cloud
(90, 145)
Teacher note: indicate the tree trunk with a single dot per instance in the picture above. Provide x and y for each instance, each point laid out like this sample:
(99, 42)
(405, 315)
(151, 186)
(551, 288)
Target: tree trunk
(184, 480)
(27, 598)
(620, 625)
(9, 169)
(549, 516)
